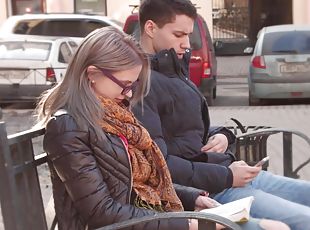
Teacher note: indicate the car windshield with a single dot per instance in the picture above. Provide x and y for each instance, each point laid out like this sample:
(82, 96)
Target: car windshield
(289, 42)
(53, 27)
(195, 38)
(21, 50)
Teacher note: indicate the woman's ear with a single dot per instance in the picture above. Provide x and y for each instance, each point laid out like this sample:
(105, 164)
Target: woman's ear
(91, 68)
(91, 71)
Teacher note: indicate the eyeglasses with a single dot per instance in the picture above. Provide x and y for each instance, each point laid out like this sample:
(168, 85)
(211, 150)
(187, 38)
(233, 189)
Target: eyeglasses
(126, 88)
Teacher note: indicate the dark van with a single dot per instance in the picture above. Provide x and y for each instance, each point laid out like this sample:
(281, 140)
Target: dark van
(203, 65)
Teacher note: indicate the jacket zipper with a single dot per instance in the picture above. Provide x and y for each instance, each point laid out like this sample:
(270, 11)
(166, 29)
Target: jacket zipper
(185, 79)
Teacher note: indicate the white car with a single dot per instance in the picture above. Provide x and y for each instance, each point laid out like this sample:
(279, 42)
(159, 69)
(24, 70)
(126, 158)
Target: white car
(76, 26)
(31, 65)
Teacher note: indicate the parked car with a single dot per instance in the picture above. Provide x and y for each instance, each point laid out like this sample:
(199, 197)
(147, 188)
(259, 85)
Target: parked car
(203, 64)
(76, 26)
(280, 65)
(31, 65)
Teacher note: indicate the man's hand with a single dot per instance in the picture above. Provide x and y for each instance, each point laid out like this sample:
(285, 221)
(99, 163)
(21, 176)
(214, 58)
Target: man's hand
(203, 202)
(217, 143)
(243, 173)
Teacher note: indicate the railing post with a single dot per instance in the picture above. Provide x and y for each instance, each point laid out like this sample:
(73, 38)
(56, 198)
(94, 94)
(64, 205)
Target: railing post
(8, 202)
(287, 154)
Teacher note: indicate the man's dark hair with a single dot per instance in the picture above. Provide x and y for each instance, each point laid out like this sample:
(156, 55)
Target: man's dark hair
(164, 11)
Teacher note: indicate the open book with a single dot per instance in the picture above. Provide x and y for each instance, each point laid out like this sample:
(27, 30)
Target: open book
(236, 211)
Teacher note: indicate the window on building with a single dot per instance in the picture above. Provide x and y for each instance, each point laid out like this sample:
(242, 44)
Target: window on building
(27, 6)
(91, 6)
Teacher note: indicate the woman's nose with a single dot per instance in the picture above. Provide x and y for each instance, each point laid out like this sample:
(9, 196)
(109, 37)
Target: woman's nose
(129, 94)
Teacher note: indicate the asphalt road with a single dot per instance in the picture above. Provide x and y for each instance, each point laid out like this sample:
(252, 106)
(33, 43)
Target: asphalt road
(232, 102)
(233, 91)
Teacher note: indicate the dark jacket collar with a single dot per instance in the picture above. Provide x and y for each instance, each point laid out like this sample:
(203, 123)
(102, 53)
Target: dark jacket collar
(167, 63)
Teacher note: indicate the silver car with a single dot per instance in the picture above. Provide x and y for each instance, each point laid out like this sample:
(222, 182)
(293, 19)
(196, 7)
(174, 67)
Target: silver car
(280, 65)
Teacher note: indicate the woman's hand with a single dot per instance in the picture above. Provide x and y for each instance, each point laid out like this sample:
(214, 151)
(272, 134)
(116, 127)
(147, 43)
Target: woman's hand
(203, 202)
(193, 225)
(217, 143)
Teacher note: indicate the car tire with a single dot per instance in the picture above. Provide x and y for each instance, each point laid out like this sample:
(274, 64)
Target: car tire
(253, 100)
(210, 98)
(210, 101)
(214, 92)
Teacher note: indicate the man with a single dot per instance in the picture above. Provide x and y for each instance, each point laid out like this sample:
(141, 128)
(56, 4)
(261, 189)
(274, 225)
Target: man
(176, 115)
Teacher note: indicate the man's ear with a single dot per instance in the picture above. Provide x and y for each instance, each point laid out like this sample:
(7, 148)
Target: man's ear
(150, 28)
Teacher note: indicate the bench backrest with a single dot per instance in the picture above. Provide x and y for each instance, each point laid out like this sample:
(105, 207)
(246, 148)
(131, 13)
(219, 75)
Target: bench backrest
(20, 193)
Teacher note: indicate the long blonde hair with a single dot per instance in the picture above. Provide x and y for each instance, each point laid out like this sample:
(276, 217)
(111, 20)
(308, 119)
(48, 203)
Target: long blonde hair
(107, 48)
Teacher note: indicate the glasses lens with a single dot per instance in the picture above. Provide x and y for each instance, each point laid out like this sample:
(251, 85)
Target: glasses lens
(130, 87)
(126, 90)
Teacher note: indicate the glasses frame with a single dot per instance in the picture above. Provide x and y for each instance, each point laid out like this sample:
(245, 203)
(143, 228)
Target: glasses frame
(126, 88)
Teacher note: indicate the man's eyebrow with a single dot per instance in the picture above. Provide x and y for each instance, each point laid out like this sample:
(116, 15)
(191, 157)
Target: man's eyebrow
(181, 32)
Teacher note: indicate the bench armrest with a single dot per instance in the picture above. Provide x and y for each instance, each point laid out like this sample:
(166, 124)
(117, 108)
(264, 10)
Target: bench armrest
(205, 220)
(255, 142)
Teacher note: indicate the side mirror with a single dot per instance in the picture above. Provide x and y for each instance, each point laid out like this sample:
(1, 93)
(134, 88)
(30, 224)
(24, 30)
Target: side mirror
(248, 50)
(218, 45)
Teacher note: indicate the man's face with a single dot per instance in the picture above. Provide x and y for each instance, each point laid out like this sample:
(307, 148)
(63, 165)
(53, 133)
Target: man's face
(174, 35)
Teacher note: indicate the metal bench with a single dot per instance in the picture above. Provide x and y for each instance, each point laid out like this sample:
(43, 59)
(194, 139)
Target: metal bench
(251, 146)
(20, 193)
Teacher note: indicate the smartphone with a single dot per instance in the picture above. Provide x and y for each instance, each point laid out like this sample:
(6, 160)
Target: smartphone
(262, 162)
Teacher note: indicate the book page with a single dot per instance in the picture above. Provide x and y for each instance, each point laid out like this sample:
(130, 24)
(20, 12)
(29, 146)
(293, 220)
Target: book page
(237, 211)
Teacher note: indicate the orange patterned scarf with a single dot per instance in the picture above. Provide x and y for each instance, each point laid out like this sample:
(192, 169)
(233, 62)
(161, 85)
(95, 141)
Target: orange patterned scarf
(151, 177)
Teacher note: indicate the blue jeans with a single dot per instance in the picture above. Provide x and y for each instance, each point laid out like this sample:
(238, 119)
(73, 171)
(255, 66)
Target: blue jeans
(275, 197)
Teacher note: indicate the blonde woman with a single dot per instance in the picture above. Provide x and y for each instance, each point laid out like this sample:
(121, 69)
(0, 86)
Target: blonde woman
(105, 168)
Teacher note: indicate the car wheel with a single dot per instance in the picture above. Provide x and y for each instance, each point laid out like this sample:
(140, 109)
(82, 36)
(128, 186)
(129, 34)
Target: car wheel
(210, 98)
(210, 101)
(253, 100)
(214, 92)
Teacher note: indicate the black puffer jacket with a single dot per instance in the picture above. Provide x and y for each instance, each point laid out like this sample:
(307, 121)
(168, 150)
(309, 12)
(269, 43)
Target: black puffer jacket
(92, 179)
(176, 115)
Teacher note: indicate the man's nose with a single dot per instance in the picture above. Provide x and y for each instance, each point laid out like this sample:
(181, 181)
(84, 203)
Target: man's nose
(186, 43)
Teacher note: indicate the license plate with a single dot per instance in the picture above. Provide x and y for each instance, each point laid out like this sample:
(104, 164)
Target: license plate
(13, 74)
(294, 68)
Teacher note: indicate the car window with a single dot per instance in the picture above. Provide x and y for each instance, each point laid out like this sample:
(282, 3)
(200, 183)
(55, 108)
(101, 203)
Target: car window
(195, 38)
(64, 53)
(133, 29)
(73, 46)
(208, 36)
(289, 42)
(21, 50)
(57, 27)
